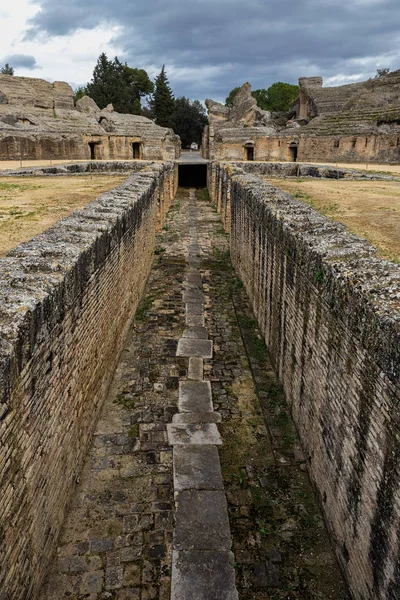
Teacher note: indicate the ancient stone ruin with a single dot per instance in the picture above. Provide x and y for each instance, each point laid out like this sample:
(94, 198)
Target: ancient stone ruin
(176, 426)
(38, 120)
(358, 122)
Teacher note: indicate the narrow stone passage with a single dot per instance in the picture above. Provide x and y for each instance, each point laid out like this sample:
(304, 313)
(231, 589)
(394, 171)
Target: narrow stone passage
(195, 454)
(201, 559)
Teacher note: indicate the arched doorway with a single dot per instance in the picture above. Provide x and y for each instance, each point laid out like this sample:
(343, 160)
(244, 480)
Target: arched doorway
(249, 151)
(293, 151)
(94, 150)
(137, 150)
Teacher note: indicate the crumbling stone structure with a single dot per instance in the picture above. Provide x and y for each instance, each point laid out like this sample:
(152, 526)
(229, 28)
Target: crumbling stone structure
(329, 312)
(358, 122)
(67, 298)
(38, 120)
(238, 133)
(328, 309)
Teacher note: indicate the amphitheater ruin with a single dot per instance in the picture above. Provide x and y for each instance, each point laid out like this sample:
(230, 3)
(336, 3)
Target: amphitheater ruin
(199, 371)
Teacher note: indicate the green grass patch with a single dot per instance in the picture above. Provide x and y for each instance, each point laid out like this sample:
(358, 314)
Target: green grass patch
(142, 311)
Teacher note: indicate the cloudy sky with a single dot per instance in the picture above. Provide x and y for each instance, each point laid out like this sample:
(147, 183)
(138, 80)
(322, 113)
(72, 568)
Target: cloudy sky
(208, 46)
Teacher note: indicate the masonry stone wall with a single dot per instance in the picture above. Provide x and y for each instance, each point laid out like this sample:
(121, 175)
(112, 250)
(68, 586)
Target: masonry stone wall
(45, 146)
(67, 298)
(330, 313)
(351, 148)
(318, 148)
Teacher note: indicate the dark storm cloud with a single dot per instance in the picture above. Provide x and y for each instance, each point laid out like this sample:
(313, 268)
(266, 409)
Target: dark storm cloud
(210, 46)
(21, 61)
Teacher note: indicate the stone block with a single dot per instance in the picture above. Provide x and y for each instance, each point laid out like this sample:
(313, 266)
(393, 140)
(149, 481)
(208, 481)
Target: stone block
(193, 295)
(197, 417)
(194, 320)
(203, 575)
(201, 521)
(195, 370)
(195, 396)
(197, 468)
(196, 433)
(195, 347)
(195, 333)
(194, 308)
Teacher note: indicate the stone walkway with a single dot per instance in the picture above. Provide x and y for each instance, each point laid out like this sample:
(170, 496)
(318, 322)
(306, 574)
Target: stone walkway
(194, 454)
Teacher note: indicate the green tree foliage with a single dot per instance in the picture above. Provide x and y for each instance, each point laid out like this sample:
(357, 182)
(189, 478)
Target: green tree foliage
(163, 103)
(277, 97)
(381, 72)
(281, 95)
(79, 93)
(7, 70)
(188, 120)
(230, 97)
(117, 83)
(262, 98)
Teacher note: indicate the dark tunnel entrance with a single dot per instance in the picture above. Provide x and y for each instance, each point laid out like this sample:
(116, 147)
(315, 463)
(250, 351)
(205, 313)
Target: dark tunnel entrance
(193, 176)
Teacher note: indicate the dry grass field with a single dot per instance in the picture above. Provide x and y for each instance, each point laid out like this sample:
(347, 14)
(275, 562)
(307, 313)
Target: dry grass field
(369, 208)
(30, 205)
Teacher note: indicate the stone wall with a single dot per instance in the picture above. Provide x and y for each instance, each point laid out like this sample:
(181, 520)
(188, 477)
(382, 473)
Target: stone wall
(67, 298)
(330, 313)
(45, 146)
(296, 170)
(38, 120)
(317, 148)
(350, 148)
(80, 168)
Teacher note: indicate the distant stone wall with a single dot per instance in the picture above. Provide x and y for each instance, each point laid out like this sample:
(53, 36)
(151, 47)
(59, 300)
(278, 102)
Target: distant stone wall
(350, 148)
(315, 148)
(286, 169)
(330, 314)
(66, 300)
(79, 168)
(45, 146)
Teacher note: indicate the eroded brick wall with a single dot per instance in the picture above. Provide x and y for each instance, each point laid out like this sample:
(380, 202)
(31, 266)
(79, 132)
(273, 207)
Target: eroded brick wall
(67, 298)
(329, 311)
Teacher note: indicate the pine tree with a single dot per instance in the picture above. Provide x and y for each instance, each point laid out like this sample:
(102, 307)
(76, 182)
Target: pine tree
(163, 102)
(7, 70)
(188, 120)
(105, 86)
(118, 84)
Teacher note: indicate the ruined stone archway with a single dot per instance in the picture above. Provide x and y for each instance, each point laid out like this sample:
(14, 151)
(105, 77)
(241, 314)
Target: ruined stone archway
(94, 150)
(293, 150)
(249, 150)
(137, 150)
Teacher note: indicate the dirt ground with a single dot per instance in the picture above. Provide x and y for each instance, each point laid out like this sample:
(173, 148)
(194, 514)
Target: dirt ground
(30, 205)
(16, 164)
(369, 208)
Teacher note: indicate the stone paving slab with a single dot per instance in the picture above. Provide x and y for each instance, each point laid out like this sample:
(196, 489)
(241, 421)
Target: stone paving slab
(193, 286)
(194, 277)
(195, 320)
(193, 295)
(193, 262)
(201, 521)
(196, 433)
(194, 347)
(194, 308)
(197, 468)
(195, 396)
(196, 368)
(195, 333)
(198, 417)
(203, 575)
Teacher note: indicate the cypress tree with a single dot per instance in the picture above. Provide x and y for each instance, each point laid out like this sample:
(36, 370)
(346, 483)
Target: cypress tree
(163, 102)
